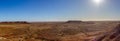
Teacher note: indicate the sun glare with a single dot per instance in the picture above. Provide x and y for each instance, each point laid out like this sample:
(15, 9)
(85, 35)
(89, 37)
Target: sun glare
(97, 1)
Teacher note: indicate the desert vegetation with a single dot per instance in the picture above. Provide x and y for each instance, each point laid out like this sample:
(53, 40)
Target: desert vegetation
(113, 35)
(55, 31)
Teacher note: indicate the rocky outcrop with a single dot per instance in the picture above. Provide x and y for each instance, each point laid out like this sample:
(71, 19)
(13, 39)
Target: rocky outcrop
(113, 35)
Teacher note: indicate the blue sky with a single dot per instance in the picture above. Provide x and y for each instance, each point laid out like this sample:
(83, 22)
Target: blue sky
(58, 10)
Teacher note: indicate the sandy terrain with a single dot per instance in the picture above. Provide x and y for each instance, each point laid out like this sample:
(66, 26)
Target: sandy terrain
(55, 31)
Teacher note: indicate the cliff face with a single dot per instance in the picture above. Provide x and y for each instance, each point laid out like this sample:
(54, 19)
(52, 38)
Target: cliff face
(113, 35)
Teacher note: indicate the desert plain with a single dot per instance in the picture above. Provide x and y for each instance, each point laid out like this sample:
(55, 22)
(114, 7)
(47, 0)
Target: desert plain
(55, 31)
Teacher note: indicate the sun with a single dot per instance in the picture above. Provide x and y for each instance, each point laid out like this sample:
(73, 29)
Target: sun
(98, 1)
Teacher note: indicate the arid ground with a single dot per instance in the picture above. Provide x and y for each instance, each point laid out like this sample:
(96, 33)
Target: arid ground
(55, 31)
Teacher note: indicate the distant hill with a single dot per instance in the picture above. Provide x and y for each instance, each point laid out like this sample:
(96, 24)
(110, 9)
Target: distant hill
(74, 21)
(15, 22)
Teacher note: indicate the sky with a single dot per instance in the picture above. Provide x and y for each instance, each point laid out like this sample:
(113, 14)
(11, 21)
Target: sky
(58, 10)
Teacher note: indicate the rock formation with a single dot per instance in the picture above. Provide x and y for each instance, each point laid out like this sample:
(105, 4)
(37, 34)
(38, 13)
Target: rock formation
(113, 35)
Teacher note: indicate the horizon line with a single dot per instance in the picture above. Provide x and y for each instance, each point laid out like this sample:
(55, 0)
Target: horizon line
(60, 20)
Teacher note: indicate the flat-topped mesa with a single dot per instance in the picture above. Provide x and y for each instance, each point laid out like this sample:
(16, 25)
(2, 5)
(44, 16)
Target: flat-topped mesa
(74, 21)
(14, 22)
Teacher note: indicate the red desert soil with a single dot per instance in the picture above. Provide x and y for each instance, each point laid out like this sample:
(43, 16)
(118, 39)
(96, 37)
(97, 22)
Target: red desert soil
(56, 31)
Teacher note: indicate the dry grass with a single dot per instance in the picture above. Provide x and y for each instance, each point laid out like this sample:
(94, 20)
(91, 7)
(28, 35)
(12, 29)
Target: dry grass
(54, 31)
